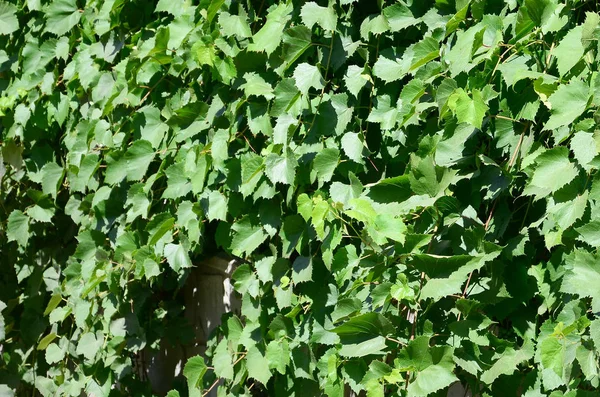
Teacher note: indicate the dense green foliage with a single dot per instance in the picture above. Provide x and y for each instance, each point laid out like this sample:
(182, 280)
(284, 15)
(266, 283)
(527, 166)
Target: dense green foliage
(411, 187)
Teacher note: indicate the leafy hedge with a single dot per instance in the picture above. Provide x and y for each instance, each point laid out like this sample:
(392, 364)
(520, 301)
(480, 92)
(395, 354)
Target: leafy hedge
(411, 187)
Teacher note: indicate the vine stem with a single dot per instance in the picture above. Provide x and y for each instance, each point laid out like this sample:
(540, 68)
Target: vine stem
(218, 379)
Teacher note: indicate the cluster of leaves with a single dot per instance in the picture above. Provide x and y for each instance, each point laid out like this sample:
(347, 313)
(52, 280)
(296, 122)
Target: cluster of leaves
(411, 187)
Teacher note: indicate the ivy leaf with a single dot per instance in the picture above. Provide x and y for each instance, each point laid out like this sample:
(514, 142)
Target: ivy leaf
(62, 16)
(399, 17)
(507, 363)
(17, 228)
(194, 370)
(368, 347)
(137, 159)
(308, 76)
(8, 18)
(215, 205)
(353, 146)
(583, 277)
(355, 79)
(436, 376)
(311, 14)
(325, 163)
(234, 25)
(576, 94)
(177, 257)
(590, 233)
(54, 354)
(222, 361)
(52, 176)
(258, 365)
(89, 345)
(553, 171)
(278, 355)
(269, 36)
(584, 147)
(569, 51)
(468, 110)
(281, 169)
(247, 237)
(256, 85)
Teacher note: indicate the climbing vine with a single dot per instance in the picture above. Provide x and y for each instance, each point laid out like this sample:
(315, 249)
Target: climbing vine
(410, 189)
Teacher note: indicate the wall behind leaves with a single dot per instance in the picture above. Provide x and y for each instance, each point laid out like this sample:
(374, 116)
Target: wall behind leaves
(411, 188)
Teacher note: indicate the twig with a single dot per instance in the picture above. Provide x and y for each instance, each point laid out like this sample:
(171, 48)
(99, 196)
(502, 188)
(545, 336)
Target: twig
(211, 387)
(395, 340)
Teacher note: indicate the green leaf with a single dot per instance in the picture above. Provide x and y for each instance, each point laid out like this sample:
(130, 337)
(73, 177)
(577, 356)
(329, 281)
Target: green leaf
(194, 370)
(222, 361)
(567, 213)
(278, 355)
(583, 277)
(256, 85)
(287, 98)
(247, 237)
(424, 51)
(325, 163)
(52, 176)
(215, 205)
(154, 128)
(177, 257)
(399, 17)
(258, 365)
(553, 170)
(355, 79)
(17, 228)
(506, 363)
(569, 51)
(296, 40)
(389, 70)
(234, 25)
(584, 147)
(54, 354)
(368, 347)
(269, 36)
(576, 94)
(590, 233)
(281, 169)
(178, 185)
(159, 226)
(62, 16)
(365, 326)
(46, 340)
(468, 110)
(308, 76)
(89, 345)
(8, 18)
(311, 14)
(302, 270)
(137, 159)
(353, 146)
(252, 170)
(435, 377)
